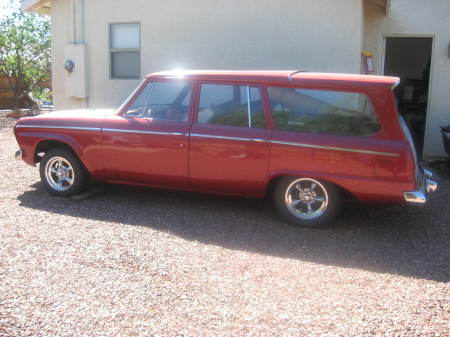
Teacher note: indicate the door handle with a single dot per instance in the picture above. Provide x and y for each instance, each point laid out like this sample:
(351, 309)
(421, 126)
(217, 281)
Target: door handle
(258, 140)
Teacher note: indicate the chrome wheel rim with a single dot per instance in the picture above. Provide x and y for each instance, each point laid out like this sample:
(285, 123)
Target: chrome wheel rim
(59, 174)
(306, 198)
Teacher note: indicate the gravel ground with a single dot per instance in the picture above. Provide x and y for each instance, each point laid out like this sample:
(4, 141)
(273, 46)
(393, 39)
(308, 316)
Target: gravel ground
(140, 262)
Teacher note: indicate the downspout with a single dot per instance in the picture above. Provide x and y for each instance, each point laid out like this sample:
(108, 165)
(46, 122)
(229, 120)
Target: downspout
(82, 20)
(73, 28)
(83, 41)
(77, 36)
(82, 33)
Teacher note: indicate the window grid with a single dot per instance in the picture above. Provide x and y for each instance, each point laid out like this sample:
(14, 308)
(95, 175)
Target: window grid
(113, 51)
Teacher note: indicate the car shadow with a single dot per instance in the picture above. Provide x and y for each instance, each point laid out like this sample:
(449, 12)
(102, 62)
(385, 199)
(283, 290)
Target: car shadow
(394, 239)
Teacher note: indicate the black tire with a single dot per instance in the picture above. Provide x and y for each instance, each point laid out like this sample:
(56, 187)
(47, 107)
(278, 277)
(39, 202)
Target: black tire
(74, 169)
(326, 211)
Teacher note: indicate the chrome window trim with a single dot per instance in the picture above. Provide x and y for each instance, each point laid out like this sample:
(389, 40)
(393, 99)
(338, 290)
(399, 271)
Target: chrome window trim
(146, 132)
(59, 127)
(259, 140)
(344, 149)
(249, 108)
(147, 102)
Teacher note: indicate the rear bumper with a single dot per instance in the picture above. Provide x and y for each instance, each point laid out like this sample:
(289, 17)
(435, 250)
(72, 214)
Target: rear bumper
(427, 186)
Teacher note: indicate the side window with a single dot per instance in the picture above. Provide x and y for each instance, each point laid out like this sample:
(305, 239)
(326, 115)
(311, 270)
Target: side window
(231, 105)
(163, 101)
(323, 111)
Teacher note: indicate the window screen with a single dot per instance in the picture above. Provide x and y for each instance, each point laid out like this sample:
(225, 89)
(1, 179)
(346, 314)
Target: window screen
(231, 105)
(125, 50)
(323, 111)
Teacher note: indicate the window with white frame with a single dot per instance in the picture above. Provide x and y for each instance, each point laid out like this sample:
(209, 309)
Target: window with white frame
(125, 50)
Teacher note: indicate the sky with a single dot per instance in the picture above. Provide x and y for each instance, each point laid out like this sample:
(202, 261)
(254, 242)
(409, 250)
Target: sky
(3, 3)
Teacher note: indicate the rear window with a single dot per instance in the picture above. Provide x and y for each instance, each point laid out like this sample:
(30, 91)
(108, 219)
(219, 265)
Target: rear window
(323, 111)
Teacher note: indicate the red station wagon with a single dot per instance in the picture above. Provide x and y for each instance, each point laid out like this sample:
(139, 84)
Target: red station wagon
(309, 139)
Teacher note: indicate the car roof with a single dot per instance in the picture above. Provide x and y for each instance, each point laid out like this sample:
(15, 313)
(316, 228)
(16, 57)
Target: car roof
(277, 77)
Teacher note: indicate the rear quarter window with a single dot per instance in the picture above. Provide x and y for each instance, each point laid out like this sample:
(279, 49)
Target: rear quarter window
(323, 111)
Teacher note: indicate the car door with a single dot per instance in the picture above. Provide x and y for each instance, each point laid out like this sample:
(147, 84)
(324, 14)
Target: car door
(148, 143)
(229, 142)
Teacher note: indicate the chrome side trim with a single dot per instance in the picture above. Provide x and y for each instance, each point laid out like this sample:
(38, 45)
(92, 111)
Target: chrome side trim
(259, 140)
(146, 132)
(58, 127)
(322, 147)
(99, 129)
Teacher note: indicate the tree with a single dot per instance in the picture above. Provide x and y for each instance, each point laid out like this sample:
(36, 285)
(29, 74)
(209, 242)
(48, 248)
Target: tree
(25, 53)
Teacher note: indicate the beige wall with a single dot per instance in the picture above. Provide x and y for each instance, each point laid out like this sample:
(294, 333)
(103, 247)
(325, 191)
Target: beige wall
(320, 35)
(418, 18)
(61, 36)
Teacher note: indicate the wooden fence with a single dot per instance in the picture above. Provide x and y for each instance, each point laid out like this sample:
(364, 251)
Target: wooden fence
(7, 96)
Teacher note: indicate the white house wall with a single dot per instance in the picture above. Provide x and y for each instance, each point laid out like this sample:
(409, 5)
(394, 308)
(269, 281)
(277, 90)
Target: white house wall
(320, 35)
(418, 18)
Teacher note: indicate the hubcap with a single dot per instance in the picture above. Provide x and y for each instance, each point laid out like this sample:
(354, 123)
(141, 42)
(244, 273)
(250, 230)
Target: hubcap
(59, 174)
(306, 198)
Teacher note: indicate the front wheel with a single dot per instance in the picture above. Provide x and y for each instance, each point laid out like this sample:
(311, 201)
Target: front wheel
(62, 173)
(306, 202)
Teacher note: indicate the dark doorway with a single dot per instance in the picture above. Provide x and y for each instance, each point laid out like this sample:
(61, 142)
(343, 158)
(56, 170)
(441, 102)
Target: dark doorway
(410, 59)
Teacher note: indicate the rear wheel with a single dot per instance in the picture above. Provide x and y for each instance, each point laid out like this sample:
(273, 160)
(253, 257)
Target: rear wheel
(306, 202)
(62, 173)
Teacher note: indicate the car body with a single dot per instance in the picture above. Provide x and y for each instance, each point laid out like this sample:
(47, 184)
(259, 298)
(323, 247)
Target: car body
(241, 133)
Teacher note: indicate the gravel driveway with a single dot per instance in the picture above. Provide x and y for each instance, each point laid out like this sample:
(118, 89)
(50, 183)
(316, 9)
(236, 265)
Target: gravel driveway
(141, 262)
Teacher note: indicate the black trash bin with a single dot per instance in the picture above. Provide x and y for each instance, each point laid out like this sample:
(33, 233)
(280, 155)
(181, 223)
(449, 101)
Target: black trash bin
(446, 136)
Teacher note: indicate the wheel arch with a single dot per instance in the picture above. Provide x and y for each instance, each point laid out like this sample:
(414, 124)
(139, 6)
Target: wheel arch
(46, 145)
(276, 176)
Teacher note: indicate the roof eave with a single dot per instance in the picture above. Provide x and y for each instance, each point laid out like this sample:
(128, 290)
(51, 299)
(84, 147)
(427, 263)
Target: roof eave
(37, 6)
(382, 4)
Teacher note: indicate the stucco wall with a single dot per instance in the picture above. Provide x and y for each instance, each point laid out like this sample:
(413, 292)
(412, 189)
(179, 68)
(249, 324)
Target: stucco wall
(321, 35)
(418, 18)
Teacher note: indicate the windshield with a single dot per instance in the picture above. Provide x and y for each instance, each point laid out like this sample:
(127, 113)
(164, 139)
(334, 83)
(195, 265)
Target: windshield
(122, 106)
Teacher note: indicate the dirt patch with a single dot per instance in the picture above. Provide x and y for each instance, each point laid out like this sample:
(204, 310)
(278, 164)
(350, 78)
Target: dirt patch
(140, 262)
